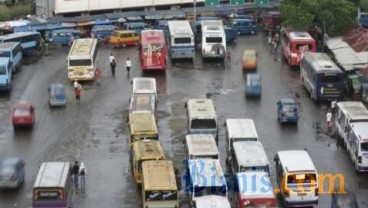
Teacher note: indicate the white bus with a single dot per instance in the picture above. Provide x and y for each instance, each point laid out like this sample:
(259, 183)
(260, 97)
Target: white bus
(181, 40)
(201, 117)
(297, 178)
(213, 39)
(357, 145)
(349, 112)
(239, 129)
(205, 177)
(82, 59)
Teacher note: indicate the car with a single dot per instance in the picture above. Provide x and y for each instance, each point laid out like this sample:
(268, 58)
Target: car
(11, 173)
(287, 111)
(249, 59)
(253, 85)
(23, 114)
(344, 200)
(57, 95)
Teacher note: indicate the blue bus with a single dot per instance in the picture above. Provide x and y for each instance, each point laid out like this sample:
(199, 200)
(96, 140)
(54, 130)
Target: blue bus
(13, 51)
(102, 31)
(136, 26)
(244, 26)
(64, 36)
(323, 79)
(28, 40)
(5, 74)
(181, 40)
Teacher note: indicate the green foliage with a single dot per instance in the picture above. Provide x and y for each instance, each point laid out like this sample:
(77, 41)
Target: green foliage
(364, 5)
(335, 15)
(14, 12)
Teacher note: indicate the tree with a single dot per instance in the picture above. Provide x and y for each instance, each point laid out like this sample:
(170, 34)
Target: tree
(334, 15)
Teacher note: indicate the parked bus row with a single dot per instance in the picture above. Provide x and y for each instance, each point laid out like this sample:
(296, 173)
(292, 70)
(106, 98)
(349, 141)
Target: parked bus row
(154, 175)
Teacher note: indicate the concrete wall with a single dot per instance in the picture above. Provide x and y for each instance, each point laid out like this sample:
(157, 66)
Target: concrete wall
(45, 7)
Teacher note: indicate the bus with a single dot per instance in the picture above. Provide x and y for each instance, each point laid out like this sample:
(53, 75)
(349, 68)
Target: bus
(13, 51)
(201, 146)
(213, 39)
(29, 41)
(357, 145)
(239, 129)
(181, 40)
(5, 74)
(53, 186)
(295, 45)
(102, 32)
(153, 50)
(201, 117)
(82, 59)
(142, 125)
(64, 36)
(323, 79)
(159, 185)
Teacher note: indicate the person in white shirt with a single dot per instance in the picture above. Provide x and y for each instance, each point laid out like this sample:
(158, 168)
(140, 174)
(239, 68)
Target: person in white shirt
(328, 119)
(82, 175)
(128, 64)
(75, 84)
(111, 58)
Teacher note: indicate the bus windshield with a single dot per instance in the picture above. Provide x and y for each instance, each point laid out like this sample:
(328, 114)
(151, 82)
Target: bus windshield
(364, 147)
(203, 124)
(48, 194)
(80, 62)
(161, 195)
(214, 40)
(211, 190)
(2, 70)
(325, 78)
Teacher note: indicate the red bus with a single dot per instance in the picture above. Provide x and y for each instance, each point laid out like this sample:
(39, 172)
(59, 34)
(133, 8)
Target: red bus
(153, 50)
(295, 44)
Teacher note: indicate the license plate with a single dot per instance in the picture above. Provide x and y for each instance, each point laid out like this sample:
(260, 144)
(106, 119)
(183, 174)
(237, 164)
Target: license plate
(302, 194)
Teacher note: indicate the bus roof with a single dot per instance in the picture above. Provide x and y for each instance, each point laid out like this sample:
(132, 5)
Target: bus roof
(206, 173)
(321, 62)
(8, 46)
(18, 34)
(361, 130)
(152, 36)
(142, 122)
(83, 48)
(254, 184)
(241, 128)
(52, 174)
(354, 110)
(158, 175)
(144, 85)
(250, 153)
(201, 144)
(180, 27)
(4, 61)
(212, 201)
(142, 102)
(294, 161)
(201, 109)
(300, 36)
(148, 149)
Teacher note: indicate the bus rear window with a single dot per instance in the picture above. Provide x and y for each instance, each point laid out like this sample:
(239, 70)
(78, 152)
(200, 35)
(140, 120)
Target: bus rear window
(214, 40)
(364, 147)
(304, 46)
(330, 78)
(80, 62)
(204, 124)
(182, 40)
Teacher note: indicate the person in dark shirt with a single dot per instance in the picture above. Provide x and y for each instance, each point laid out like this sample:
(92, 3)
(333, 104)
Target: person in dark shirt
(75, 173)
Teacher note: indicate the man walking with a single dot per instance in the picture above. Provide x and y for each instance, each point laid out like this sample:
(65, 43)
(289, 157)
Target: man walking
(113, 66)
(82, 174)
(75, 173)
(128, 64)
(111, 58)
(77, 92)
(328, 119)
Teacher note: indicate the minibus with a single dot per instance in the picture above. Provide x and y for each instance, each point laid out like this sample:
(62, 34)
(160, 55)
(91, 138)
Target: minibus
(142, 125)
(123, 38)
(102, 31)
(64, 36)
(244, 26)
(239, 129)
(201, 146)
(13, 51)
(53, 186)
(297, 178)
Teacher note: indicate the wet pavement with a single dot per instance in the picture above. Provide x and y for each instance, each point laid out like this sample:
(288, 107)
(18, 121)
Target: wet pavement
(95, 131)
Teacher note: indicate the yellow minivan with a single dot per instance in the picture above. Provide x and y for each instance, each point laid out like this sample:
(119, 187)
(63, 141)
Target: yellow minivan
(144, 150)
(124, 38)
(142, 125)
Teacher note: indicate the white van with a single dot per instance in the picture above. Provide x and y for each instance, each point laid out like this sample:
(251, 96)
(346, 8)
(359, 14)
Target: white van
(248, 156)
(297, 178)
(239, 129)
(201, 117)
(357, 145)
(201, 146)
(349, 112)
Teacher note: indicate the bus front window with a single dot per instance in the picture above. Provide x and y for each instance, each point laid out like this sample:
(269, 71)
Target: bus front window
(203, 124)
(80, 62)
(364, 147)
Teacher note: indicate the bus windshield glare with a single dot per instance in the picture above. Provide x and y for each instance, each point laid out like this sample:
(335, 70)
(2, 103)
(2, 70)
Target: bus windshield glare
(213, 39)
(203, 124)
(80, 62)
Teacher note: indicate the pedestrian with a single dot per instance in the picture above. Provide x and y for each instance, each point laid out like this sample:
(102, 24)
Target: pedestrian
(77, 92)
(328, 119)
(333, 105)
(82, 176)
(75, 84)
(113, 66)
(71, 40)
(75, 174)
(228, 58)
(128, 64)
(111, 58)
(98, 75)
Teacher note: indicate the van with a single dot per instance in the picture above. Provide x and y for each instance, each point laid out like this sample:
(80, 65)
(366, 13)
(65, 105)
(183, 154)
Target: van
(297, 178)
(144, 150)
(64, 36)
(201, 117)
(253, 85)
(244, 26)
(248, 156)
(239, 129)
(122, 38)
(142, 125)
(201, 146)
(5, 74)
(53, 186)
(13, 51)
(254, 190)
